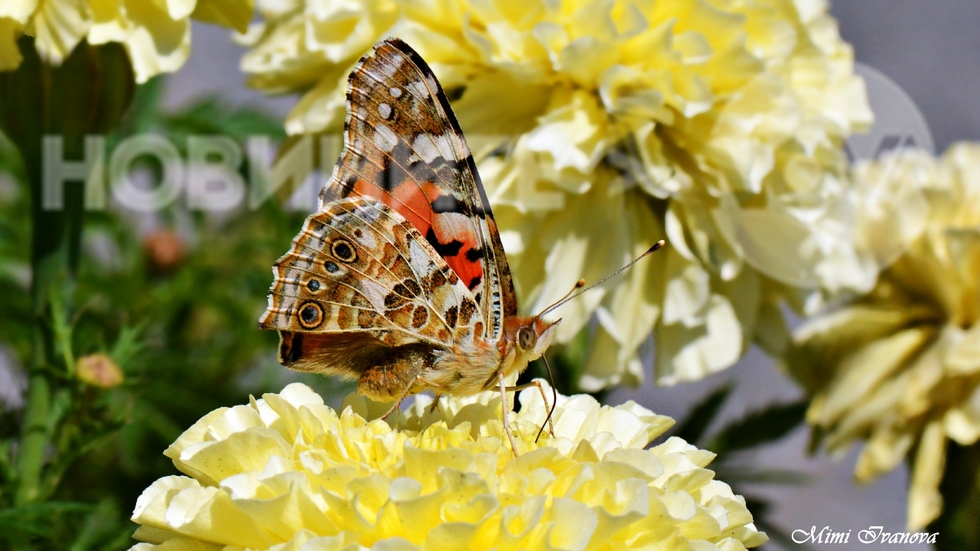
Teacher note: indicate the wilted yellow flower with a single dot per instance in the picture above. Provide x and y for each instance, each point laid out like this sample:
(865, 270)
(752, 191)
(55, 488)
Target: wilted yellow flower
(98, 370)
(287, 472)
(900, 366)
(156, 35)
(610, 125)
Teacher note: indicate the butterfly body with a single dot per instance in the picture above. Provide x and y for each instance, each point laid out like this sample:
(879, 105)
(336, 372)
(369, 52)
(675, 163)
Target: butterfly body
(400, 280)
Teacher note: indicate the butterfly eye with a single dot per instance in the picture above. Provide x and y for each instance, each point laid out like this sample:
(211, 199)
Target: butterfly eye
(310, 315)
(343, 251)
(526, 338)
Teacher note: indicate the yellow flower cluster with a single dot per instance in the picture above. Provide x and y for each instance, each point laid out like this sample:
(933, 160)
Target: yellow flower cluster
(605, 126)
(287, 472)
(900, 366)
(156, 34)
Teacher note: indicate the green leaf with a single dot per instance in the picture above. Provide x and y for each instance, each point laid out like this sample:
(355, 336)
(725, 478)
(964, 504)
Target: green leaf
(693, 427)
(35, 518)
(60, 405)
(144, 111)
(760, 427)
(211, 115)
(10, 159)
(760, 509)
(738, 475)
(128, 344)
(100, 524)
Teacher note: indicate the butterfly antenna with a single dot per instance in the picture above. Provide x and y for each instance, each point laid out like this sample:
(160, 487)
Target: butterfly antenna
(554, 397)
(581, 283)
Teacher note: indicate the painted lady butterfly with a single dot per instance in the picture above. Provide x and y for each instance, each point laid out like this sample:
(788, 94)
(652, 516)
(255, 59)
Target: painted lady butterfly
(400, 280)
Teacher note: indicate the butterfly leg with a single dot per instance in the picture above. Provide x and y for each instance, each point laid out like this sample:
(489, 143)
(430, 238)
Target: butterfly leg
(435, 404)
(505, 410)
(405, 393)
(550, 409)
(391, 410)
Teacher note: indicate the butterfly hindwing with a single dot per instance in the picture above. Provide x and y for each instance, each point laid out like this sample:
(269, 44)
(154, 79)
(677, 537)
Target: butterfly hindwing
(361, 288)
(404, 147)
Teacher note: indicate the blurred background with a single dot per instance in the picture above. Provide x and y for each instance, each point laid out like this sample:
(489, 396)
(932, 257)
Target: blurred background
(918, 53)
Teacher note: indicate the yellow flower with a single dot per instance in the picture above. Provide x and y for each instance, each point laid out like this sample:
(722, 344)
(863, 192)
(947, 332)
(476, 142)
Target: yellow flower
(606, 126)
(900, 367)
(156, 34)
(287, 472)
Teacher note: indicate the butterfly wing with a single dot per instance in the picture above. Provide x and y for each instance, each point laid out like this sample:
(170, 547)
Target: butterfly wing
(404, 147)
(361, 286)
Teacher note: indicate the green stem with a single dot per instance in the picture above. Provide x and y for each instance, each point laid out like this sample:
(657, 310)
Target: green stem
(56, 239)
(957, 525)
(55, 246)
(34, 440)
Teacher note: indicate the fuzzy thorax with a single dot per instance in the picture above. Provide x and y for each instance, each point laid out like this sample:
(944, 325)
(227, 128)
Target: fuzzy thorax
(474, 366)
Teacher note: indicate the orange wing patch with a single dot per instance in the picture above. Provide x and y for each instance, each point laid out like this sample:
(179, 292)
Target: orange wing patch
(439, 217)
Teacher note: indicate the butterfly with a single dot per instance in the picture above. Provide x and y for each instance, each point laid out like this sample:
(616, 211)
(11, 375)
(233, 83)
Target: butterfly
(400, 280)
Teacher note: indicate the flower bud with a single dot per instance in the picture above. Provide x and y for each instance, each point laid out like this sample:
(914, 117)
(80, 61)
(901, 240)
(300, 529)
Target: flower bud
(98, 370)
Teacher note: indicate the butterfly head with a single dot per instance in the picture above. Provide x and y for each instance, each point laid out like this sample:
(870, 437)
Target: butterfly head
(525, 339)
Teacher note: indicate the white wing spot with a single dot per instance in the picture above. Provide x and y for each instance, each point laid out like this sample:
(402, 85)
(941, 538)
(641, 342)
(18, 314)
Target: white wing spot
(369, 212)
(445, 145)
(425, 147)
(418, 258)
(368, 240)
(374, 292)
(395, 92)
(391, 65)
(385, 138)
(384, 110)
(419, 88)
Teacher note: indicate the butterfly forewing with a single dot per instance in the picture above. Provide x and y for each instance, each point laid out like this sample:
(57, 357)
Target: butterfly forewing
(403, 146)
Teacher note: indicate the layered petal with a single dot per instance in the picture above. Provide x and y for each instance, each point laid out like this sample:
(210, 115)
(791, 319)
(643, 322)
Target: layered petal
(156, 34)
(288, 472)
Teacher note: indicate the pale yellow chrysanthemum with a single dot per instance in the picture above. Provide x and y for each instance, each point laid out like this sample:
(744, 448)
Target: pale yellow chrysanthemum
(717, 125)
(156, 34)
(287, 473)
(900, 367)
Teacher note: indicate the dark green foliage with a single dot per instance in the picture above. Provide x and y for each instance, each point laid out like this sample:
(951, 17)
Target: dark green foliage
(183, 334)
(759, 428)
(957, 525)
